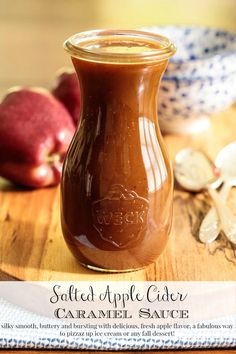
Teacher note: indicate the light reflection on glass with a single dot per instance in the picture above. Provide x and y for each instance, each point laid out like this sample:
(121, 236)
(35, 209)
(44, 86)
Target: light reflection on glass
(152, 155)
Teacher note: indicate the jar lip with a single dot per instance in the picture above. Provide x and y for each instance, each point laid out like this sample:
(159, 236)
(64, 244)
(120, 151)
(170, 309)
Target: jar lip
(83, 45)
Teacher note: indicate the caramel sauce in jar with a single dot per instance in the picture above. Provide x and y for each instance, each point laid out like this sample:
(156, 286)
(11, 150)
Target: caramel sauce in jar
(117, 183)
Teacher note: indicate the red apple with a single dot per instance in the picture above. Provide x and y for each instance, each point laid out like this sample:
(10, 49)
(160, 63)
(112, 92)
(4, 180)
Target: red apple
(67, 90)
(35, 132)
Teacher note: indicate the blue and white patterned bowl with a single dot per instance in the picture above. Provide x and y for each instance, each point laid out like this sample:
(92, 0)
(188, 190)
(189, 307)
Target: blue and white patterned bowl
(200, 78)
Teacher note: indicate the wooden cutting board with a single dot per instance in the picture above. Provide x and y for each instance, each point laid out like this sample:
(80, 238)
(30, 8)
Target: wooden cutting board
(32, 246)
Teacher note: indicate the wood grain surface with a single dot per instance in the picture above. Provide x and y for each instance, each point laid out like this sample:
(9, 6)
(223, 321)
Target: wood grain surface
(32, 246)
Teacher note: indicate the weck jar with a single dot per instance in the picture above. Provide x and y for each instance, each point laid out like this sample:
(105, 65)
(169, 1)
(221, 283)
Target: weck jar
(117, 183)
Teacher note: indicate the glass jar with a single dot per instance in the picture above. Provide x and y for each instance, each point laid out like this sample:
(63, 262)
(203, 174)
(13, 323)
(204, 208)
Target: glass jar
(117, 183)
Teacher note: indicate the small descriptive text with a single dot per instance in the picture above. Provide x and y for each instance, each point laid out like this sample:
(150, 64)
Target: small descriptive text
(116, 330)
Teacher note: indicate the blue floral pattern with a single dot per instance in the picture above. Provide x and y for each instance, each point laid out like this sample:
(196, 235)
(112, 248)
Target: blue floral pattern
(200, 78)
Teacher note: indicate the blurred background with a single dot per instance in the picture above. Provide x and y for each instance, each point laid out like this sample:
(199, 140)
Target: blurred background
(32, 31)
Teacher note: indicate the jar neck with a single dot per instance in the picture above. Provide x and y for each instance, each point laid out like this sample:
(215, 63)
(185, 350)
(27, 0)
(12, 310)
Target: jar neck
(119, 46)
(114, 89)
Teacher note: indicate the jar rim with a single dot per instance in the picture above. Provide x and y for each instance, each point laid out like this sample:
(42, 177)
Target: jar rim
(85, 45)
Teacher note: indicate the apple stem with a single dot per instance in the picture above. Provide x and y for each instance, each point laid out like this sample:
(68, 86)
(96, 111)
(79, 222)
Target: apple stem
(52, 159)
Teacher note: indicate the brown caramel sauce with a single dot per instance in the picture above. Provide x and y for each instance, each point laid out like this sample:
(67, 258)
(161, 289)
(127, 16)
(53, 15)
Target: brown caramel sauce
(117, 181)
